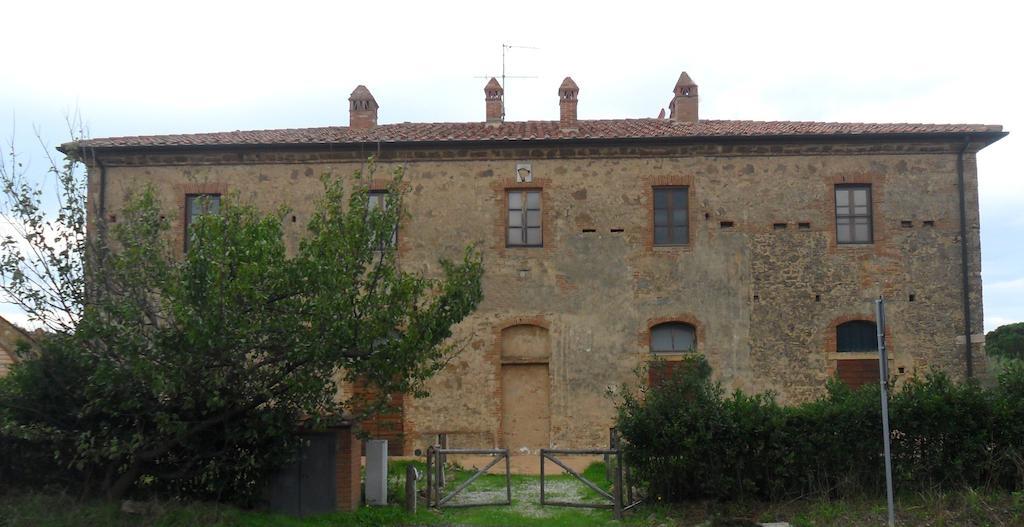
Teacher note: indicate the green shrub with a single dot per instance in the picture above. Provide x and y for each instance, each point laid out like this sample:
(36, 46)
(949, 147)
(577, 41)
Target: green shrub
(46, 387)
(54, 433)
(685, 438)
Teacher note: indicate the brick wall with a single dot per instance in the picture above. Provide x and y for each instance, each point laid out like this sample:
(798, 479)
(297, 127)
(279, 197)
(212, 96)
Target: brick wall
(6, 360)
(388, 424)
(766, 298)
(10, 337)
(348, 469)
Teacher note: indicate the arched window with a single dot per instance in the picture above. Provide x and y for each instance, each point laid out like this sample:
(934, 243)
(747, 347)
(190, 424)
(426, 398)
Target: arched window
(857, 335)
(673, 337)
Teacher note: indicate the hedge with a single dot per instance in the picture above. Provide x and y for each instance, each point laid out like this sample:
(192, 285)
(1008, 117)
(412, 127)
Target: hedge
(686, 439)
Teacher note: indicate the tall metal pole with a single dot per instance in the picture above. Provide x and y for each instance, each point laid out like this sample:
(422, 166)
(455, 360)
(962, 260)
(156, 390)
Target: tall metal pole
(883, 374)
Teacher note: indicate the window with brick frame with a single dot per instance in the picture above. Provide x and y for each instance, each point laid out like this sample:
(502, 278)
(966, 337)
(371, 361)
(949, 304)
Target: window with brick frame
(853, 214)
(523, 228)
(671, 216)
(673, 337)
(669, 338)
(196, 206)
(380, 199)
(857, 335)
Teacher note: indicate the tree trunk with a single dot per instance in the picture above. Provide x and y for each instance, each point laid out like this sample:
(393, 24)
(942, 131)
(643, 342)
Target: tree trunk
(124, 482)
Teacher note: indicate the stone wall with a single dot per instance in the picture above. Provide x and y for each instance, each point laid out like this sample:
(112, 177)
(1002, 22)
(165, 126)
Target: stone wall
(10, 338)
(762, 278)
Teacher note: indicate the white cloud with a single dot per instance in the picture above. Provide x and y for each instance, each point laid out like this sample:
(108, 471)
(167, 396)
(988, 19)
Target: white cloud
(1016, 284)
(993, 322)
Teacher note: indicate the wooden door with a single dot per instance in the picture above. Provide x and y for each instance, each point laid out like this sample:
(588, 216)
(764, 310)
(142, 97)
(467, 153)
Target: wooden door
(526, 410)
(857, 372)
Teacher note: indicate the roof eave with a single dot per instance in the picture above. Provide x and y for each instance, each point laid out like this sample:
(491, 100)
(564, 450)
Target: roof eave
(984, 138)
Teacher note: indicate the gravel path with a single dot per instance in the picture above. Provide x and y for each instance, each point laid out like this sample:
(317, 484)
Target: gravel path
(526, 495)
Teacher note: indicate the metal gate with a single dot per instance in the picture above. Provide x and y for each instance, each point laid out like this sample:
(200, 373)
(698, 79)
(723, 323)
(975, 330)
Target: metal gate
(436, 480)
(620, 499)
(614, 497)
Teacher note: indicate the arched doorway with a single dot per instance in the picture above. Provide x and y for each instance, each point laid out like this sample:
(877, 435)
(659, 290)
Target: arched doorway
(525, 388)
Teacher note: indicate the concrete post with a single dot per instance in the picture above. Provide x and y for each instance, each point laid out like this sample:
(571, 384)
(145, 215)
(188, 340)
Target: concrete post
(377, 472)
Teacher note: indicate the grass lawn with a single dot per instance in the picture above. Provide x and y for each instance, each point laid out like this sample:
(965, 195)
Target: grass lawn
(965, 508)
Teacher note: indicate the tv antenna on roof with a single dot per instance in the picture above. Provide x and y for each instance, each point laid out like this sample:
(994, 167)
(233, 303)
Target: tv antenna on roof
(504, 51)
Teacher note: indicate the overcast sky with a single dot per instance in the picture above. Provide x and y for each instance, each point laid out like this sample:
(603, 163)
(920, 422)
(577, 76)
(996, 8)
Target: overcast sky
(171, 67)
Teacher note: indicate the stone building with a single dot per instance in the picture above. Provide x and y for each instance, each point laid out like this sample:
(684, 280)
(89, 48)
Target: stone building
(609, 243)
(10, 337)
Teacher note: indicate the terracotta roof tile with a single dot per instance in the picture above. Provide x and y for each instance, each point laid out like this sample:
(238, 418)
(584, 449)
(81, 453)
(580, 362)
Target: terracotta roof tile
(532, 130)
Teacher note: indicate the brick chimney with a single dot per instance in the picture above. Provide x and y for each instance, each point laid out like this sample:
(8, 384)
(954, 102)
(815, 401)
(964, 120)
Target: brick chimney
(362, 109)
(493, 95)
(567, 100)
(684, 105)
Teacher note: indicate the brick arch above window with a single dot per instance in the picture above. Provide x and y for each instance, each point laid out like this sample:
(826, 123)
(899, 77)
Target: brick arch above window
(644, 339)
(857, 335)
(500, 332)
(662, 366)
(831, 331)
(535, 320)
(525, 343)
(855, 368)
(673, 337)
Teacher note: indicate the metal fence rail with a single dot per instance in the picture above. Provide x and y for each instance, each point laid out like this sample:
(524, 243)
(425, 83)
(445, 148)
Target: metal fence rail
(436, 482)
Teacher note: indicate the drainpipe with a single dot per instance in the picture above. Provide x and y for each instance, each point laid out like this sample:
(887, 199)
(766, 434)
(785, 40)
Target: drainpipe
(965, 282)
(102, 205)
(95, 228)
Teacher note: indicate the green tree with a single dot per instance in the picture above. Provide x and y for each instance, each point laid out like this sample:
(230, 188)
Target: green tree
(188, 374)
(1006, 341)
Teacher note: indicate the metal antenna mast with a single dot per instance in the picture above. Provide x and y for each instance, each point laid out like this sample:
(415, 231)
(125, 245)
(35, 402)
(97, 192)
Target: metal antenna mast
(504, 50)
